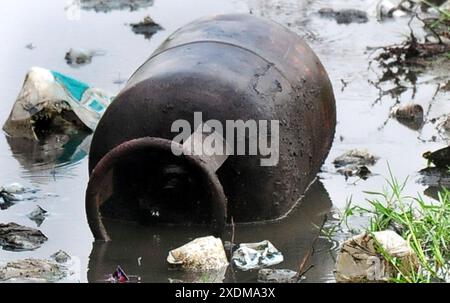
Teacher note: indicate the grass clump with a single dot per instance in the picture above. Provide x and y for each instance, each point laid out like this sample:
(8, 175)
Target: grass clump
(425, 226)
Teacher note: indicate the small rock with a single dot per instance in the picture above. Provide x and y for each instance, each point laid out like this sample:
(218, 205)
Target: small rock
(16, 237)
(256, 255)
(33, 269)
(363, 172)
(354, 163)
(61, 257)
(355, 157)
(38, 215)
(30, 46)
(440, 158)
(344, 16)
(266, 275)
(147, 27)
(201, 254)
(15, 188)
(359, 260)
(410, 115)
(446, 87)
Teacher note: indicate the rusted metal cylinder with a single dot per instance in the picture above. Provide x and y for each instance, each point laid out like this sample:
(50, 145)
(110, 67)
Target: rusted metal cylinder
(228, 68)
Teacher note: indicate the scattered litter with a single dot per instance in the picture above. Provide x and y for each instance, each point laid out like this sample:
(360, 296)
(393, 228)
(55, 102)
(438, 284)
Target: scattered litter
(201, 254)
(359, 260)
(78, 57)
(30, 46)
(50, 100)
(61, 257)
(440, 158)
(267, 275)
(147, 27)
(344, 16)
(38, 270)
(119, 276)
(102, 6)
(256, 255)
(354, 163)
(19, 238)
(38, 215)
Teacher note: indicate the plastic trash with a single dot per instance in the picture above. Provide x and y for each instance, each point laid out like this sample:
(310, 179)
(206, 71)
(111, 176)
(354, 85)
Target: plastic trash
(256, 255)
(46, 94)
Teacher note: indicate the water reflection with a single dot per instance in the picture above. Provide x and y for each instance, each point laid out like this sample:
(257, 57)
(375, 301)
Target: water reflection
(142, 250)
(55, 151)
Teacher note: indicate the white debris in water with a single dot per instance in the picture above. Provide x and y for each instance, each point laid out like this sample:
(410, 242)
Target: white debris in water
(201, 254)
(256, 255)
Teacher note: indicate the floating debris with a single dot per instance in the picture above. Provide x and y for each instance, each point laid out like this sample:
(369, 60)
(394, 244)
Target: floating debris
(147, 27)
(359, 260)
(102, 6)
(354, 163)
(344, 16)
(256, 255)
(38, 215)
(61, 257)
(385, 9)
(410, 115)
(30, 46)
(201, 254)
(19, 238)
(119, 276)
(52, 101)
(267, 275)
(33, 270)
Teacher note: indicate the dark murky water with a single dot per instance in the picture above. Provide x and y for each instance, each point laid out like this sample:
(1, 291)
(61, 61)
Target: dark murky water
(60, 173)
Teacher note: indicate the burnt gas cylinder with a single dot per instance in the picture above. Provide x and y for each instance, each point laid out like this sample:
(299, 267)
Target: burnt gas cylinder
(227, 68)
